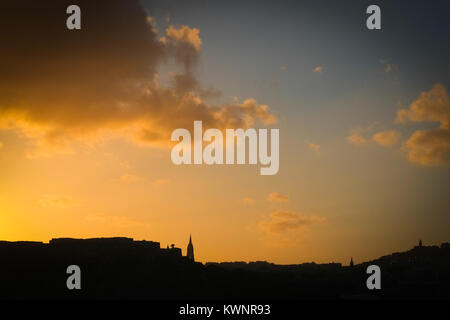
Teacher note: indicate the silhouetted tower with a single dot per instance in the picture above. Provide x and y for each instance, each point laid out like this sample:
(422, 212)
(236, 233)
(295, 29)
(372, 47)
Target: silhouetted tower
(420, 243)
(351, 262)
(190, 249)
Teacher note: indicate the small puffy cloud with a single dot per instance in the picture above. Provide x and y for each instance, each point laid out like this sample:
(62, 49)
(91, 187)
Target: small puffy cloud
(151, 21)
(372, 126)
(186, 35)
(429, 147)
(248, 201)
(252, 111)
(431, 106)
(388, 138)
(282, 221)
(318, 69)
(55, 201)
(313, 146)
(277, 197)
(356, 138)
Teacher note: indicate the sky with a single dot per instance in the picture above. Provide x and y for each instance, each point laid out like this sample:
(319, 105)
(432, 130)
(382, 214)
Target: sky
(364, 117)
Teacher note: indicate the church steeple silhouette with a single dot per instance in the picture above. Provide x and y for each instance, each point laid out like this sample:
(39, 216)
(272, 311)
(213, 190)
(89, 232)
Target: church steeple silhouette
(190, 249)
(351, 262)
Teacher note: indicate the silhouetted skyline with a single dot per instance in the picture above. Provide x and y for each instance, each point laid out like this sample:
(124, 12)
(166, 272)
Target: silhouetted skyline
(125, 268)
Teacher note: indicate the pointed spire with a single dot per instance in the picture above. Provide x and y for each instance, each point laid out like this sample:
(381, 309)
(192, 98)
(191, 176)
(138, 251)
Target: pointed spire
(351, 262)
(190, 249)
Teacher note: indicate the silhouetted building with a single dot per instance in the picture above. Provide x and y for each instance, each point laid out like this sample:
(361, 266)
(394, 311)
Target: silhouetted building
(190, 250)
(351, 262)
(172, 251)
(420, 243)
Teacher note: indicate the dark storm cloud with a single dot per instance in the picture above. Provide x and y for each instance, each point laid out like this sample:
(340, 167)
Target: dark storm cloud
(59, 85)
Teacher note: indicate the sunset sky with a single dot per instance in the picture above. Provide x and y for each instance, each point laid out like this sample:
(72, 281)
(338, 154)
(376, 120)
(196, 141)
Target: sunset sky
(364, 118)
